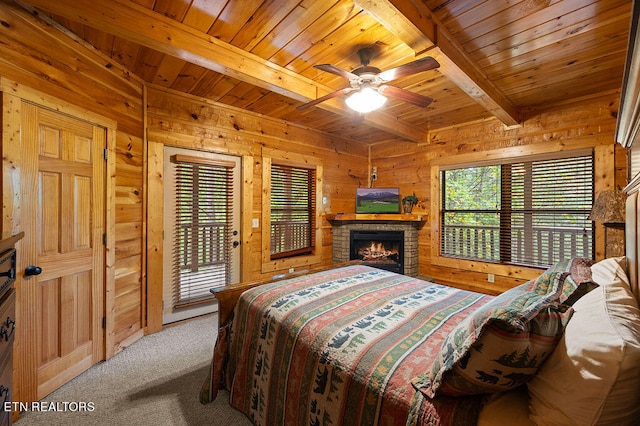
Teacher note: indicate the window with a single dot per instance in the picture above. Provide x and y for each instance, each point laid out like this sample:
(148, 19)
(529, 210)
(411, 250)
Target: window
(203, 228)
(292, 192)
(531, 212)
(292, 211)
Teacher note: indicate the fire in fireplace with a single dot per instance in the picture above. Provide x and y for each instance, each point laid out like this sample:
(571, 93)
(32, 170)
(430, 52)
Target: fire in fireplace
(381, 249)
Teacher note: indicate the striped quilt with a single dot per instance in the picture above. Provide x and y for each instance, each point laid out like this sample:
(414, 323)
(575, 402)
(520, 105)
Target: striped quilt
(340, 347)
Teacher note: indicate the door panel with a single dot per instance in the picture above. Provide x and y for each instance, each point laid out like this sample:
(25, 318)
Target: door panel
(68, 212)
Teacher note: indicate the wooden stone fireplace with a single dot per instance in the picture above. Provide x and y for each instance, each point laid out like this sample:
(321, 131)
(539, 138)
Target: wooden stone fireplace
(376, 240)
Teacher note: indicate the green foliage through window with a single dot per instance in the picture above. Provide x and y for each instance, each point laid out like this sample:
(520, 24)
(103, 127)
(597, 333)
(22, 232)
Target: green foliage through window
(531, 212)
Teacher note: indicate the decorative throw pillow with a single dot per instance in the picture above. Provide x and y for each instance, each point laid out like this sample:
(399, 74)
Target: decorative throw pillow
(592, 376)
(578, 279)
(502, 344)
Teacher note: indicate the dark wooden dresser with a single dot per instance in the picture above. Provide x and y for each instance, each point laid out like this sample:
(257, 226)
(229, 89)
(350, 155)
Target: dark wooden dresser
(7, 322)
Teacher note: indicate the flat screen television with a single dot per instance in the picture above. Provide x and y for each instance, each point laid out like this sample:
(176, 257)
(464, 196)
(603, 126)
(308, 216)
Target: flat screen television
(377, 200)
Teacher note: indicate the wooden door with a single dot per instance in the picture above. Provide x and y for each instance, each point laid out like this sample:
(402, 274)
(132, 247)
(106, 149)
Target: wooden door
(63, 201)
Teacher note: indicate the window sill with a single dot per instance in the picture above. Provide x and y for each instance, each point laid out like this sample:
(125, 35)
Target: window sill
(514, 271)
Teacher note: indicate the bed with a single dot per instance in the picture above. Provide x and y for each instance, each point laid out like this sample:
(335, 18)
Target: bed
(353, 345)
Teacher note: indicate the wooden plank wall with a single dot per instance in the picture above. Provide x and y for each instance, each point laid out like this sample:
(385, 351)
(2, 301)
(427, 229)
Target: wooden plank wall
(185, 121)
(130, 230)
(586, 123)
(37, 55)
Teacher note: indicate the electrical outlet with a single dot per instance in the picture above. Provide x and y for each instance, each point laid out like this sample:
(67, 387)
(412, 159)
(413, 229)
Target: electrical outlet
(491, 278)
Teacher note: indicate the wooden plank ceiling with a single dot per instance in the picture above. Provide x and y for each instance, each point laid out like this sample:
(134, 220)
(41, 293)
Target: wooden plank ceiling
(503, 59)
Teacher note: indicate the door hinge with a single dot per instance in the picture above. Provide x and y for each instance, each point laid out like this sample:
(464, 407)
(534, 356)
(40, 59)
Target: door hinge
(104, 239)
(106, 154)
(104, 322)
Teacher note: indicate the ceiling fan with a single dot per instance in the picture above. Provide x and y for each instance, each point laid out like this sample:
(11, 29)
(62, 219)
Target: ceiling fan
(367, 83)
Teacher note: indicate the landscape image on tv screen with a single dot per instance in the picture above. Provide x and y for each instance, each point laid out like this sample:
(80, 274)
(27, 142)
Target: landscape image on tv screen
(377, 200)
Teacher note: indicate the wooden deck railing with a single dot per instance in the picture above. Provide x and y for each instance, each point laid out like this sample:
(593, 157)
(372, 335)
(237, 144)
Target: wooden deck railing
(210, 249)
(289, 235)
(539, 246)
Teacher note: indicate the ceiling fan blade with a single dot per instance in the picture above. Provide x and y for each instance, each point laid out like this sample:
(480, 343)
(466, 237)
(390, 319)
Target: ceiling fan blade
(405, 95)
(324, 98)
(425, 64)
(337, 71)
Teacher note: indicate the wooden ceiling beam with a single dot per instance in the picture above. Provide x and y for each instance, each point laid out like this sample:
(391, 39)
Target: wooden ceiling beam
(420, 29)
(138, 24)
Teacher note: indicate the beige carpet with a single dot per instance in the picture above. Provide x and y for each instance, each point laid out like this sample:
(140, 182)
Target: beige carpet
(155, 381)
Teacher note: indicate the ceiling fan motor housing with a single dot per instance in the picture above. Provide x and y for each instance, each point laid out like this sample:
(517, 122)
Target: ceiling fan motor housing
(365, 72)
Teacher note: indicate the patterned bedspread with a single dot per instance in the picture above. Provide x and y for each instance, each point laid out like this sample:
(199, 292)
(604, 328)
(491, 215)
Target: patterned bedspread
(340, 347)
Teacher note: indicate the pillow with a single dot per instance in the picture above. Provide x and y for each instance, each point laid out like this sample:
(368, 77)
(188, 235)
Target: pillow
(503, 343)
(506, 409)
(577, 280)
(592, 376)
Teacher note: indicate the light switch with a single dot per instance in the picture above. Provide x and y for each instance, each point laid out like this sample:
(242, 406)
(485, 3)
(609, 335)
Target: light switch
(255, 222)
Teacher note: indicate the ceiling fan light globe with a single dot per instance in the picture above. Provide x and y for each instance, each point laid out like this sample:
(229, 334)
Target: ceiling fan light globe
(365, 100)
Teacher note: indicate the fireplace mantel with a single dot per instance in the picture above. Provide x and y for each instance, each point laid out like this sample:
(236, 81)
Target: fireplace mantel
(377, 217)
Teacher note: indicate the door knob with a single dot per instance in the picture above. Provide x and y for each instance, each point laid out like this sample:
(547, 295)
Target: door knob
(32, 270)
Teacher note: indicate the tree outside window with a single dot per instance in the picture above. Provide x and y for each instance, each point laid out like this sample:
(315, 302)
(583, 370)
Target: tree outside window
(530, 213)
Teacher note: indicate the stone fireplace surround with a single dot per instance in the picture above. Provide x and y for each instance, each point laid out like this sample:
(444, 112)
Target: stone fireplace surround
(409, 223)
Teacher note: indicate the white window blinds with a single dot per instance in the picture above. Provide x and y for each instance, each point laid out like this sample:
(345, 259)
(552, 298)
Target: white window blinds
(203, 228)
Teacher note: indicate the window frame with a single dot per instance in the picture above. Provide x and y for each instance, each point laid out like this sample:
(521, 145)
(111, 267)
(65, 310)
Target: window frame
(522, 232)
(293, 180)
(602, 155)
(269, 158)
